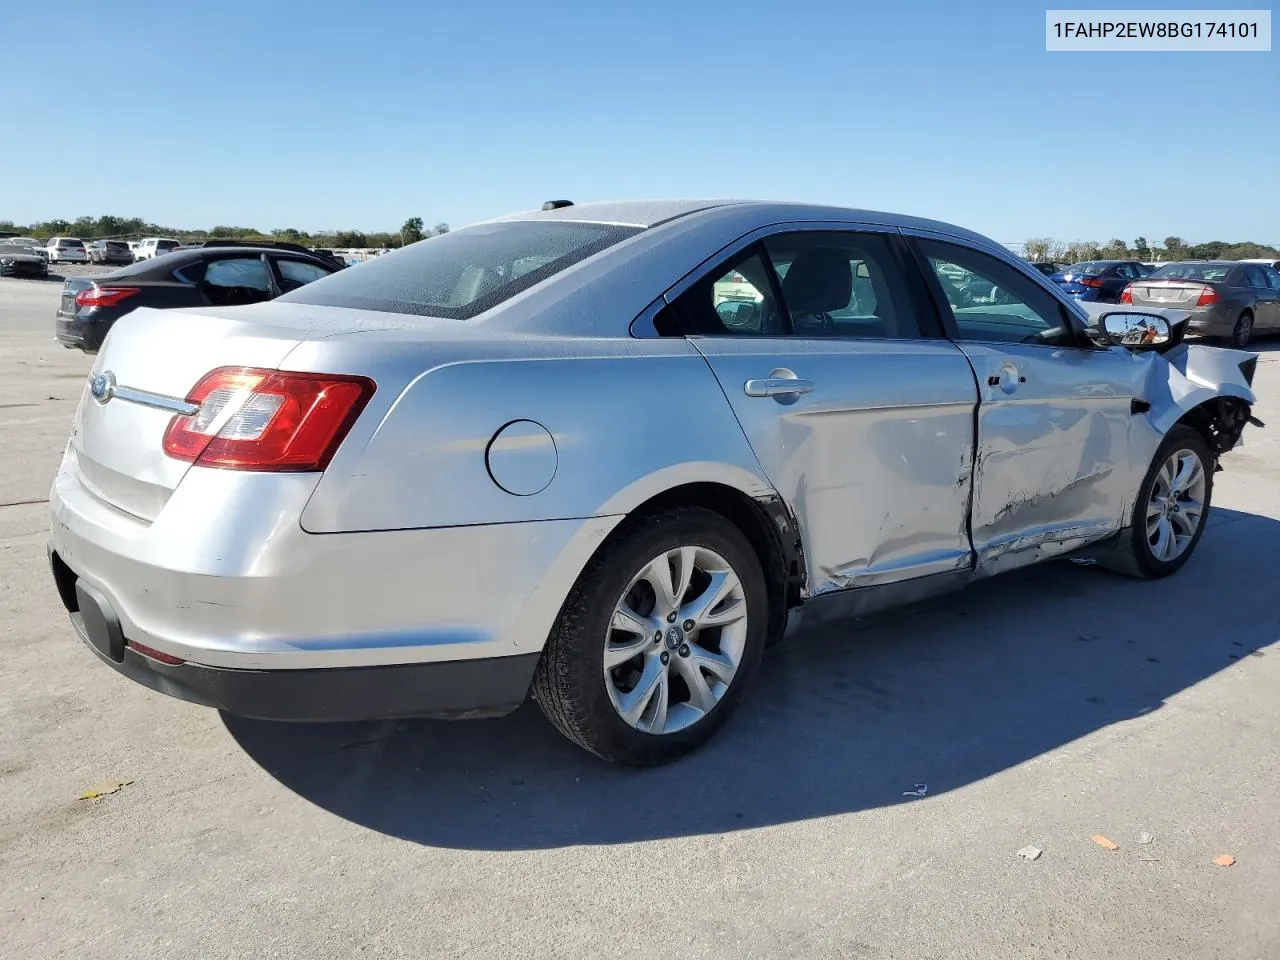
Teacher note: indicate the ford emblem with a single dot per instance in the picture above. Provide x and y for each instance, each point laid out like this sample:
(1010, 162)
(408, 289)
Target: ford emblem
(102, 387)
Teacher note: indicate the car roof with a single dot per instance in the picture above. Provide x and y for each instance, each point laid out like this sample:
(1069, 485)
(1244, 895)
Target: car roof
(653, 213)
(159, 268)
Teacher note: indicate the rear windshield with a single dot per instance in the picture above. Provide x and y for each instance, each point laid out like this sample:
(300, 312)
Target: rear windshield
(1089, 266)
(70, 242)
(166, 244)
(461, 274)
(1192, 271)
(117, 245)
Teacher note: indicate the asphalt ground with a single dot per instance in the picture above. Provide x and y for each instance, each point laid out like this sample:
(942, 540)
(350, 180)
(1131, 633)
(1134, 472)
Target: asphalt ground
(868, 800)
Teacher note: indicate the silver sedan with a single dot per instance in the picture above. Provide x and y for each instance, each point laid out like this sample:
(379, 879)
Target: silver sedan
(607, 454)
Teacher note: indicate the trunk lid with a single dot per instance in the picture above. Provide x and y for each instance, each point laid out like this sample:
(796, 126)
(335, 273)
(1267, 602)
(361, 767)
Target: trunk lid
(1166, 293)
(117, 445)
(70, 287)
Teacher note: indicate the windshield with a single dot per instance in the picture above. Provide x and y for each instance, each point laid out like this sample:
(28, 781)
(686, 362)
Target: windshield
(1088, 266)
(460, 275)
(1192, 271)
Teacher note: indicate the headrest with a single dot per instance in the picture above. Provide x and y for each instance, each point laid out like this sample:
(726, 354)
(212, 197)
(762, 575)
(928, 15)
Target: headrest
(819, 280)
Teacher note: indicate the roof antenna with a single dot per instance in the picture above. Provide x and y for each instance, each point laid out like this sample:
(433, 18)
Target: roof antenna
(556, 204)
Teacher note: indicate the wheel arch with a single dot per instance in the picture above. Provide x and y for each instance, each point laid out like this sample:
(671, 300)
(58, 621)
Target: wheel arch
(761, 516)
(1219, 419)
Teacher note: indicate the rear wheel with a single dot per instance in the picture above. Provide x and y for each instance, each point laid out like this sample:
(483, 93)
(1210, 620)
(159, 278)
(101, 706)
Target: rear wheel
(1242, 332)
(1172, 506)
(657, 640)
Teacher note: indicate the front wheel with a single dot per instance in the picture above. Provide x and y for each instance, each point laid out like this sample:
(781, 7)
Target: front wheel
(1172, 507)
(657, 640)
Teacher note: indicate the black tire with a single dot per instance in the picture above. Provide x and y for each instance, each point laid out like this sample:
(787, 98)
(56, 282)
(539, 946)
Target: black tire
(569, 683)
(1145, 563)
(1242, 332)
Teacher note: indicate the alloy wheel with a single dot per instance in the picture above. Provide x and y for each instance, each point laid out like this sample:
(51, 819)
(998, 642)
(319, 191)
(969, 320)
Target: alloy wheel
(1243, 331)
(1175, 508)
(675, 640)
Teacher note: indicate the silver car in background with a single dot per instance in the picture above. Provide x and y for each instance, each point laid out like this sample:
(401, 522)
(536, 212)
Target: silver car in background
(608, 453)
(1227, 299)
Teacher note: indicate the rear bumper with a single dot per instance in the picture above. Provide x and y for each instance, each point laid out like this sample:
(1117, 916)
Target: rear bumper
(1215, 321)
(458, 688)
(226, 580)
(78, 333)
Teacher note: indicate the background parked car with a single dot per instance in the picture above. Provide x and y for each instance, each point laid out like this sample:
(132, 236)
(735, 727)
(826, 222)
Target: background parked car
(1227, 299)
(1099, 280)
(223, 274)
(110, 251)
(66, 250)
(1045, 267)
(37, 246)
(21, 260)
(1265, 261)
(150, 247)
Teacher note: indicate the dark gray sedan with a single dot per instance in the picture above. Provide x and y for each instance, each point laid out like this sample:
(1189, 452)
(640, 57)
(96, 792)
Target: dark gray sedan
(19, 260)
(1227, 299)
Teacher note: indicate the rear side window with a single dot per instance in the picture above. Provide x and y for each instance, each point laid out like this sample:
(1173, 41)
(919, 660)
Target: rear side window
(238, 273)
(1255, 277)
(842, 285)
(463, 273)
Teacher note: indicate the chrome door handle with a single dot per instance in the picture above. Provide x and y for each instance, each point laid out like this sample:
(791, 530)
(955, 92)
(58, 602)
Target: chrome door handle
(777, 387)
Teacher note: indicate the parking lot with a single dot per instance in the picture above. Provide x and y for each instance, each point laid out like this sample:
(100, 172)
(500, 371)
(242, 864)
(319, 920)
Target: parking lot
(868, 800)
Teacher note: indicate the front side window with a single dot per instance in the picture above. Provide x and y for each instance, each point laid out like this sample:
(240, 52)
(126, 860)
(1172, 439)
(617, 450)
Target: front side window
(1273, 278)
(463, 273)
(1127, 271)
(991, 301)
(299, 272)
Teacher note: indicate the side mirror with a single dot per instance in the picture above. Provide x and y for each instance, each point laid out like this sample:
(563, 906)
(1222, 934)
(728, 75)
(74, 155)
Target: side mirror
(738, 313)
(1139, 331)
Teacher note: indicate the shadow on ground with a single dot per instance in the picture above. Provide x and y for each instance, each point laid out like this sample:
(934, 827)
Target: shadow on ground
(847, 720)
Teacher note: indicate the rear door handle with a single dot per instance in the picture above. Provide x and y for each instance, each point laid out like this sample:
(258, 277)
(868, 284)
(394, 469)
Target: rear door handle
(778, 387)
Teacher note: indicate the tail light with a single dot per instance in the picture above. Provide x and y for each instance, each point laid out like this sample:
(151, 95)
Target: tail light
(1208, 297)
(1090, 282)
(1126, 295)
(267, 420)
(103, 296)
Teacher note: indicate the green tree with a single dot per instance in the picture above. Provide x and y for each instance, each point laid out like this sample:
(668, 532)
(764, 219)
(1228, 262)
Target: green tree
(1037, 248)
(411, 232)
(1174, 248)
(1207, 251)
(440, 228)
(1115, 250)
(1141, 249)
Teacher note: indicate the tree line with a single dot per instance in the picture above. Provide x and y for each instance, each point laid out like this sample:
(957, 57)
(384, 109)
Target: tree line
(1046, 249)
(129, 228)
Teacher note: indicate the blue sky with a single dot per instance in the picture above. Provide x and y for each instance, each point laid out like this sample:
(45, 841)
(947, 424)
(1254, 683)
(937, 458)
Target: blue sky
(325, 114)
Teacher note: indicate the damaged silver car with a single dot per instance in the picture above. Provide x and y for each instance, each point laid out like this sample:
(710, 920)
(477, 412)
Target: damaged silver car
(608, 453)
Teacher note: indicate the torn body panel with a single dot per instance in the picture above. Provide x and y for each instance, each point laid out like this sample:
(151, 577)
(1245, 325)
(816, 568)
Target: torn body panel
(1208, 385)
